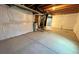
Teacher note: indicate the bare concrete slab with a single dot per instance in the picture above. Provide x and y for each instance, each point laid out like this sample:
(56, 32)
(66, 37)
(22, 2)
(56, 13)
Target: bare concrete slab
(38, 43)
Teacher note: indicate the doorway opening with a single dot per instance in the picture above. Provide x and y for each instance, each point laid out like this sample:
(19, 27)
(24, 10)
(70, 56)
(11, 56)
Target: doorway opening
(49, 22)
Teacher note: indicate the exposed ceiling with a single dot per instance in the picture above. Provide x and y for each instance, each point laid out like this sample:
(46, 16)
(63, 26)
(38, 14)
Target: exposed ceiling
(62, 9)
(54, 8)
(38, 7)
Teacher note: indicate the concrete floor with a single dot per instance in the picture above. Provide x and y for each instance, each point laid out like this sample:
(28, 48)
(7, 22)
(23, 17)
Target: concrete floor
(66, 33)
(48, 42)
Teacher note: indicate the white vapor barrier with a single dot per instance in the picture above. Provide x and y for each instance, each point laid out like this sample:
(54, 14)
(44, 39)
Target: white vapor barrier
(14, 21)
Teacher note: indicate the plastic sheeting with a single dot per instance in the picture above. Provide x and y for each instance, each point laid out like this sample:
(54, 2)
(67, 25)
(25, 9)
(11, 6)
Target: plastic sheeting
(14, 21)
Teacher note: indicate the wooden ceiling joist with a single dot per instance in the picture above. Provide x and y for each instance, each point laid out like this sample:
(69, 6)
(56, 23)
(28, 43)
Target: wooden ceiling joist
(63, 9)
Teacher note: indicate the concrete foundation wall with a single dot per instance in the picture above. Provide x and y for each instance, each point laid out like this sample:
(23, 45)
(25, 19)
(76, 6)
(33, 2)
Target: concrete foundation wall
(76, 27)
(66, 21)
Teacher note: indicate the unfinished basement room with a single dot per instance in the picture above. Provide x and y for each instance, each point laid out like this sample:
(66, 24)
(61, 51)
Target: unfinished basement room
(39, 29)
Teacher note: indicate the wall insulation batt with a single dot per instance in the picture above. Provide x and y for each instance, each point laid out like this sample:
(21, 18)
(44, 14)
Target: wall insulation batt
(14, 21)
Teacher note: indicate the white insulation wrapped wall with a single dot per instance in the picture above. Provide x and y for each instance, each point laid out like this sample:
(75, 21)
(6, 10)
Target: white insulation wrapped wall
(14, 21)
